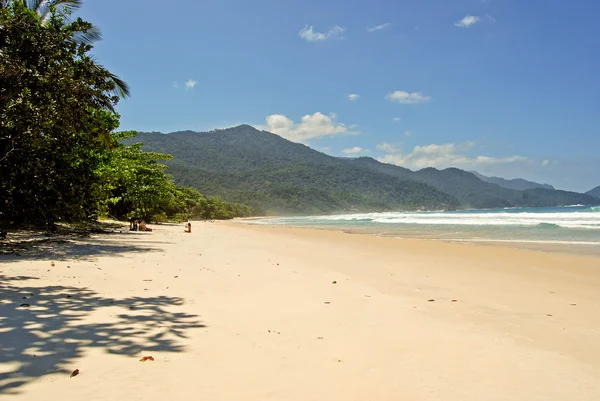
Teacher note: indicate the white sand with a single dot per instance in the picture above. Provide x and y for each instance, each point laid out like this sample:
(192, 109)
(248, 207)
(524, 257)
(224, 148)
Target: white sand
(236, 312)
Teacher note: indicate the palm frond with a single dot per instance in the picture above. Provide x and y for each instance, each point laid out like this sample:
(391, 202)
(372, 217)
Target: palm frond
(72, 4)
(35, 5)
(44, 7)
(90, 36)
(121, 87)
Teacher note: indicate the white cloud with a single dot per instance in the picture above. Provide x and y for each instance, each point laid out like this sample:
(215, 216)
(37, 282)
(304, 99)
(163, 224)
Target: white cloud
(353, 97)
(444, 156)
(307, 33)
(545, 163)
(311, 126)
(191, 84)
(355, 150)
(396, 119)
(388, 148)
(379, 27)
(467, 21)
(407, 97)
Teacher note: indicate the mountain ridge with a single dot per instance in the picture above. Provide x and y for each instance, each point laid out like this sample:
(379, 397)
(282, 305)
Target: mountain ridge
(272, 174)
(519, 184)
(245, 165)
(594, 192)
(474, 193)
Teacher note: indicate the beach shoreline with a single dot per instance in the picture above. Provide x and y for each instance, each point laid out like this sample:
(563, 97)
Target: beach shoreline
(560, 247)
(255, 312)
(574, 229)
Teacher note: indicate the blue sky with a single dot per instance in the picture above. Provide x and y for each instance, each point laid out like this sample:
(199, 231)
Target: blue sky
(504, 87)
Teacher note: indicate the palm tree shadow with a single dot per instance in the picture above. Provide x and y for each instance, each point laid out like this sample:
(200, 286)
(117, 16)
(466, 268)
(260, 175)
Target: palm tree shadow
(44, 329)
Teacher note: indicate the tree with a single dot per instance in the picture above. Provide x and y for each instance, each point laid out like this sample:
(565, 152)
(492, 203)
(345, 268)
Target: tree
(55, 105)
(195, 204)
(133, 182)
(45, 9)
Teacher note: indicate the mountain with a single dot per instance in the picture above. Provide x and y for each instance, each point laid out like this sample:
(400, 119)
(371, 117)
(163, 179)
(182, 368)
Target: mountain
(474, 193)
(517, 183)
(594, 192)
(263, 170)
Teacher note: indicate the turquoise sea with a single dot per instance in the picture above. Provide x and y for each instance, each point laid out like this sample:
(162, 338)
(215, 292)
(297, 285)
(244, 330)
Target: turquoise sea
(576, 225)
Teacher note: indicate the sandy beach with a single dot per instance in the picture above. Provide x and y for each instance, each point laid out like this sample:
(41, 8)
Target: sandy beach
(239, 312)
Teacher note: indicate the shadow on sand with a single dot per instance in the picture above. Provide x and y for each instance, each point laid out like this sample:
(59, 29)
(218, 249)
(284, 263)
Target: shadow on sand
(44, 329)
(35, 246)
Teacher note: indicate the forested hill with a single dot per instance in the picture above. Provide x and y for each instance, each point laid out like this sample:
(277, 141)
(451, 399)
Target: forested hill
(265, 171)
(475, 193)
(234, 149)
(261, 169)
(517, 183)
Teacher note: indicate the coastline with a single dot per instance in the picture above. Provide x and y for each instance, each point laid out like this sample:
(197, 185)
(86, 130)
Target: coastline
(561, 247)
(251, 312)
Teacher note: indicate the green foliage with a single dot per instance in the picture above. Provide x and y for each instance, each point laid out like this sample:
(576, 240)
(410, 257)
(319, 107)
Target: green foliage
(133, 183)
(45, 10)
(52, 98)
(197, 207)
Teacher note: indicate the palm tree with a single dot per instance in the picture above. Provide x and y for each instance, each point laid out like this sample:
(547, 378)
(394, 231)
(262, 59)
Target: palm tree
(45, 8)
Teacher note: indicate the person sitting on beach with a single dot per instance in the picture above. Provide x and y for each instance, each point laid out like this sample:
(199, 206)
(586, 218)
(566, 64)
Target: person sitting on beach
(188, 228)
(143, 227)
(133, 224)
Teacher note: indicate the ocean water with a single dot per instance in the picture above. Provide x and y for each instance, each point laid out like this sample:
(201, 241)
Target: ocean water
(569, 225)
